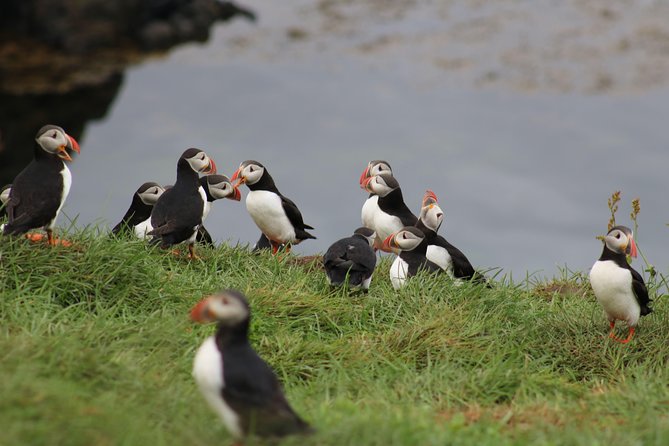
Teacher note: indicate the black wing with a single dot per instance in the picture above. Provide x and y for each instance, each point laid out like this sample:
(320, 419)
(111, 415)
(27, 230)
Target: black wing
(641, 292)
(295, 218)
(175, 213)
(32, 204)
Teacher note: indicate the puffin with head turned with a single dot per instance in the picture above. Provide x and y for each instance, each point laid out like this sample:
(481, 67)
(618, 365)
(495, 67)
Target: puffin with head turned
(216, 187)
(177, 214)
(352, 258)
(410, 244)
(277, 216)
(238, 385)
(617, 286)
(370, 207)
(39, 191)
(139, 212)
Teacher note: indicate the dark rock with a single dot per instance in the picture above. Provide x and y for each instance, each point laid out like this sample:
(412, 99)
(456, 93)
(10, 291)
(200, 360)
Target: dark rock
(157, 35)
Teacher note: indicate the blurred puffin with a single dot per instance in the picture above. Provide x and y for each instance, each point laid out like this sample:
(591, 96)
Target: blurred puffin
(177, 214)
(410, 244)
(617, 286)
(440, 251)
(238, 385)
(278, 217)
(139, 211)
(392, 214)
(4, 198)
(353, 257)
(39, 191)
(215, 187)
(370, 207)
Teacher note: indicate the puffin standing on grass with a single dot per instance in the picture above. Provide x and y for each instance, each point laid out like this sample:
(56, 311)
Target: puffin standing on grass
(351, 257)
(238, 385)
(216, 187)
(135, 218)
(177, 214)
(617, 286)
(278, 217)
(38, 193)
(370, 207)
(410, 244)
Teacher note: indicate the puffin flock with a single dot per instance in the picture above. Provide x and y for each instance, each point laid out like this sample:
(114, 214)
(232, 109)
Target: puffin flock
(238, 385)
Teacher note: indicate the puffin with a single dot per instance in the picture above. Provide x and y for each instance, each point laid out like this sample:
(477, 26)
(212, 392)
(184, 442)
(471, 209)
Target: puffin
(177, 214)
(392, 214)
(370, 207)
(351, 257)
(618, 287)
(39, 191)
(410, 244)
(278, 217)
(135, 218)
(4, 198)
(215, 187)
(439, 250)
(236, 383)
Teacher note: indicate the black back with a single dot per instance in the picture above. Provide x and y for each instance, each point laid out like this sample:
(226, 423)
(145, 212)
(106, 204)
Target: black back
(417, 260)
(136, 213)
(352, 256)
(638, 285)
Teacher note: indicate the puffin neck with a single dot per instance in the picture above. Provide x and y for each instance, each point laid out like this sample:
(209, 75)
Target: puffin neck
(618, 257)
(226, 335)
(429, 233)
(186, 176)
(266, 182)
(394, 200)
(44, 156)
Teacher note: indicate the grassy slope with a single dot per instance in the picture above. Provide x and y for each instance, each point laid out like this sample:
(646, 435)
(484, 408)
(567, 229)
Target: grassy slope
(96, 348)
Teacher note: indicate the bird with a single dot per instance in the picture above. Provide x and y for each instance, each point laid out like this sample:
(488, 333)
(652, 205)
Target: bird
(617, 286)
(277, 216)
(4, 198)
(392, 213)
(439, 250)
(39, 191)
(177, 214)
(215, 187)
(236, 383)
(370, 206)
(410, 244)
(137, 217)
(351, 257)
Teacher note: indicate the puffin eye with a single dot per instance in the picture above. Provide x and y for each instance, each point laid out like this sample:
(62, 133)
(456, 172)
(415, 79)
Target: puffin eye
(618, 235)
(54, 135)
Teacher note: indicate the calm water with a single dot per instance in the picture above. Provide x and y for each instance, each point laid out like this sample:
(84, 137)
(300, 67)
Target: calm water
(523, 178)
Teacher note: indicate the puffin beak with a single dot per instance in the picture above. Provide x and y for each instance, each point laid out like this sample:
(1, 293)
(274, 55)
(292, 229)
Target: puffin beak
(363, 176)
(389, 244)
(365, 184)
(200, 312)
(62, 153)
(632, 247)
(237, 195)
(235, 176)
(211, 167)
(429, 198)
(74, 145)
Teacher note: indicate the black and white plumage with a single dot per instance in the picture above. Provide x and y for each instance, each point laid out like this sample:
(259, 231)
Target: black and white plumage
(137, 218)
(177, 214)
(392, 214)
(617, 286)
(4, 198)
(411, 245)
(370, 206)
(216, 187)
(277, 216)
(351, 257)
(39, 191)
(238, 385)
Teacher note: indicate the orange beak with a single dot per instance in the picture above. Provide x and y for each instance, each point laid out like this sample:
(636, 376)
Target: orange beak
(200, 312)
(365, 184)
(235, 176)
(236, 196)
(429, 198)
(364, 175)
(62, 153)
(211, 168)
(74, 144)
(389, 244)
(632, 247)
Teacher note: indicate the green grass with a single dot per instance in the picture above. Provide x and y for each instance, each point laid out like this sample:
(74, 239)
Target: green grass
(96, 349)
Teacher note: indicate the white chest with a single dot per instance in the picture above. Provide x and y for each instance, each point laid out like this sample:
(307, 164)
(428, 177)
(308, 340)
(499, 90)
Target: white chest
(612, 286)
(385, 224)
(267, 212)
(67, 183)
(440, 256)
(207, 205)
(208, 374)
(369, 208)
(398, 273)
(142, 229)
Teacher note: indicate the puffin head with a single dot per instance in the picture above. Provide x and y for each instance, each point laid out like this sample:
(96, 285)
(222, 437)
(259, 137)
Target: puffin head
(4, 194)
(228, 308)
(220, 187)
(53, 139)
(381, 184)
(406, 239)
(150, 192)
(369, 234)
(620, 240)
(249, 172)
(375, 167)
(430, 213)
(199, 161)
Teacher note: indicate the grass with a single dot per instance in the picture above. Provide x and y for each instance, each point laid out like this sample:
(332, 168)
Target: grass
(96, 348)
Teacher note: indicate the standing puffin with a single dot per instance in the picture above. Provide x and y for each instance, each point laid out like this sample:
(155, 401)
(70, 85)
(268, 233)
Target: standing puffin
(177, 214)
(139, 211)
(618, 287)
(411, 245)
(215, 187)
(276, 216)
(353, 257)
(392, 214)
(370, 207)
(439, 250)
(38, 193)
(238, 385)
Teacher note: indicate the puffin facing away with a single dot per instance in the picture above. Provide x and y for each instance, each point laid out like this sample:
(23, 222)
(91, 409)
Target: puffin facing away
(392, 214)
(140, 210)
(238, 385)
(177, 214)
(38, 193)
(370, 207)
(617, 286)
(353, 257)
(215, 187)
(276, 216)
(411, 244)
